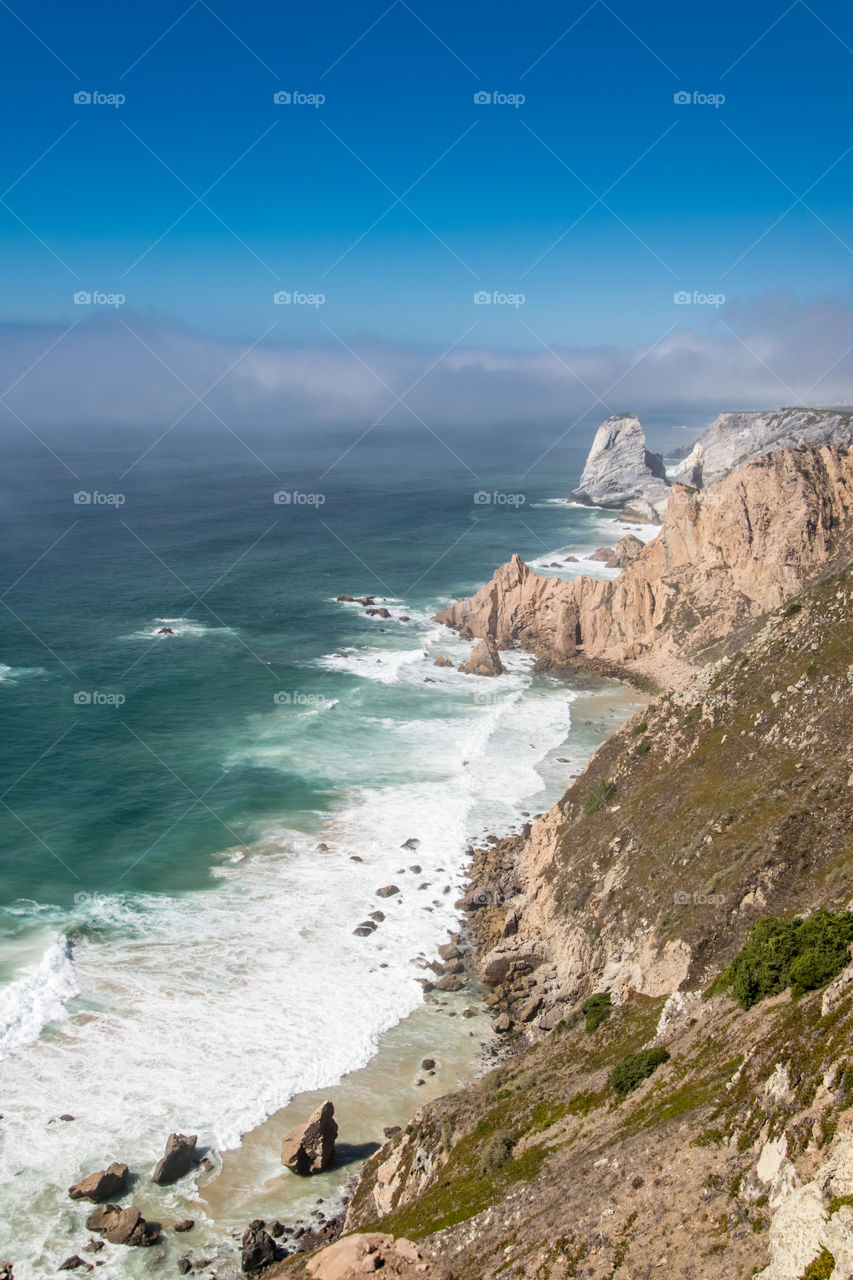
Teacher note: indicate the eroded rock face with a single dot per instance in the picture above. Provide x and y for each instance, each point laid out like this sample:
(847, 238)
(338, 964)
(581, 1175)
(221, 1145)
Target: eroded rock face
(485, 660)
(179, 1158)
(722, 558)
(736, 437)
(355, 1256)
(123, 1226)
(102, 1185)
(311, 1147)
(620, 469)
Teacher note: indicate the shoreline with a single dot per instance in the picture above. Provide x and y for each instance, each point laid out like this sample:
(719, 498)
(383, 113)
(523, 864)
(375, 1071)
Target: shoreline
(251, 1175)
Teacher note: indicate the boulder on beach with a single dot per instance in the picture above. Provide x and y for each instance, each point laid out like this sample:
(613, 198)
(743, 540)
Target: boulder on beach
(603, 554)
(353, 1256)
(412, 843)
(484, 661)
(186, 1225)
(387, 891)
(102, 1185)
(75, 1261)
(259, 1248)
(123, 1226)
(442, 662)
(179, 1158)
(310, 1148)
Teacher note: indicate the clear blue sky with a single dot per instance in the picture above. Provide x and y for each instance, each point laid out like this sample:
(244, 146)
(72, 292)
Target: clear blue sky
(689, 187)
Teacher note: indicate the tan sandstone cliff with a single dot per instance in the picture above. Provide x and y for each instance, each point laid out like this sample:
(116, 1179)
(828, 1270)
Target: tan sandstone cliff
(723, 556)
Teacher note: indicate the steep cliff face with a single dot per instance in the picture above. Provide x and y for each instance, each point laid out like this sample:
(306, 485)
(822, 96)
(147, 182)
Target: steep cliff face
(620, 469)
(726, 800)
(723, 556)
(736, 437)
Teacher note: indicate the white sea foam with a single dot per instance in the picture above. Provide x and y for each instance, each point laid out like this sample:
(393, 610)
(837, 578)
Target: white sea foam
(38, 997)
(10, 675)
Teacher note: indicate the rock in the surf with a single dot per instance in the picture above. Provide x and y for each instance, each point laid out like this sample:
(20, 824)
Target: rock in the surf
(387, 891)
(179, 1158)
(484, 661)
(311, 1147)
(102, 1185)
(259, 1248)
(123, 1226)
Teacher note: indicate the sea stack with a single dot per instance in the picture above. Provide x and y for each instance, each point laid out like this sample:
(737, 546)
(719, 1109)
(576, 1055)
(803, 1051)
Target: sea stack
(620, 470)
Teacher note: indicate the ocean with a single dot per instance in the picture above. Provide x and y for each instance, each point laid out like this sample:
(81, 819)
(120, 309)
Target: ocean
(209, 766)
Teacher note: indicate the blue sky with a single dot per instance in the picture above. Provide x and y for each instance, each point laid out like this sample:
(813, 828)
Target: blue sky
(690, 187)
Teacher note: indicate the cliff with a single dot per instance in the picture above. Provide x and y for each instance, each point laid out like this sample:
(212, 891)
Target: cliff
(723, 556)
(736, 437)
(674, 1132)
(620, 470)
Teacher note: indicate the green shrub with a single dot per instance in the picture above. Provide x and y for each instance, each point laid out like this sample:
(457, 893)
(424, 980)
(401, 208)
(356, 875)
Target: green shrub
(643, 747)
(600, 795)
(496, 1153)
(636, 1068)
(639, 729)
(596, 1009)
(821, 1267)
(793, 607)
(801, 954)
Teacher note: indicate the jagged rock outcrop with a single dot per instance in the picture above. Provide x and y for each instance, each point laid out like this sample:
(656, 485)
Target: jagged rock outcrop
(484, 661)
(180, 1156)
(722, 557)
(258, 1247)
(102, 1185)
(734, 438)
(356, 1255)
(310, 1148)
(620, 469)
(123, 1226)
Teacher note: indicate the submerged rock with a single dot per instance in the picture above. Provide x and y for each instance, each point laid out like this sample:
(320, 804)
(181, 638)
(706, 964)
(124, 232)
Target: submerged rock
(179, 1158)
(311, 1147)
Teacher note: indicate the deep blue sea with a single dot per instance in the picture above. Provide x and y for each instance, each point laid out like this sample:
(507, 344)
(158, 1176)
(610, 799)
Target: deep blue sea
(169, 926)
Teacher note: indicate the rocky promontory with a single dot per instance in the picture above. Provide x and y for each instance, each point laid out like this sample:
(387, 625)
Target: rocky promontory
(723, 557)
(734, 438)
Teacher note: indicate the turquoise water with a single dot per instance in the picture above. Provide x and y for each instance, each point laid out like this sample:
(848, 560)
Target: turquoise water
(164, 905)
